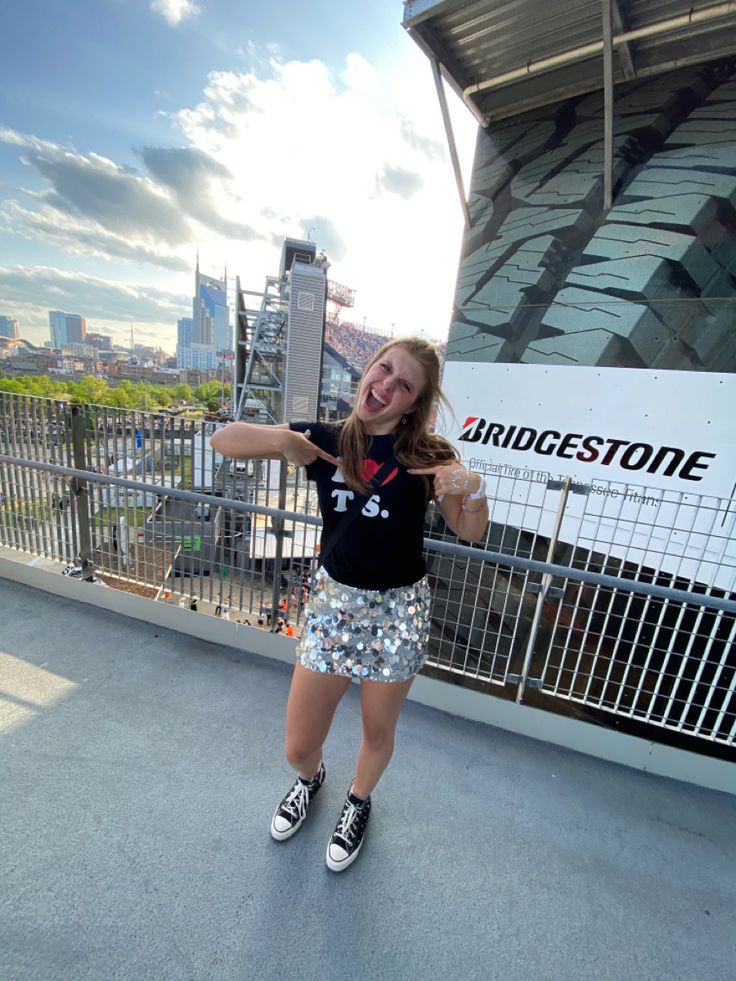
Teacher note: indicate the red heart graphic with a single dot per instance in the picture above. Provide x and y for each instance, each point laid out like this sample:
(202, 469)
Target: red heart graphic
(371, 468)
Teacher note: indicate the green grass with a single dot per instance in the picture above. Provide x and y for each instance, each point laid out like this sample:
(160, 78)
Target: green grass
(134, 517)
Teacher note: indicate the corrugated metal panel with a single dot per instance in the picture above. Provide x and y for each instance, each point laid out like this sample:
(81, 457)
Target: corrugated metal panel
(475, 42)
(304, 341)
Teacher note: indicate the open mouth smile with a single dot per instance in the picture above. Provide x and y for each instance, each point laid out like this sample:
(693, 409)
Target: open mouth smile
(374, 401)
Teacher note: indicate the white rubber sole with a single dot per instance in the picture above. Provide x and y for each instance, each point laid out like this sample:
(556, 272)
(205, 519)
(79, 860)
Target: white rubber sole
(283, 835)
(339, 866)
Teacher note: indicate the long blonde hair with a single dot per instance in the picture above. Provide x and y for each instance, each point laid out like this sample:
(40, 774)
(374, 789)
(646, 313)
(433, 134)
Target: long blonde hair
(414, 444)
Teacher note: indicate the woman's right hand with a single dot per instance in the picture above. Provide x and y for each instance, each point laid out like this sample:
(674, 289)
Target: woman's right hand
(301, 451)
(249, 441)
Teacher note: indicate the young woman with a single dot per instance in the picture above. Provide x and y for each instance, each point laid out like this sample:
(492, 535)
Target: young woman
(367, 615)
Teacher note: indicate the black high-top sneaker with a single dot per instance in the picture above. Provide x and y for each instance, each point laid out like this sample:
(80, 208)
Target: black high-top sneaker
(347, 838)
(289, 815)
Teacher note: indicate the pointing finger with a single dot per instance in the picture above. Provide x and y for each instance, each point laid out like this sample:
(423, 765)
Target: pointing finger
(324, 455)
(422, 472)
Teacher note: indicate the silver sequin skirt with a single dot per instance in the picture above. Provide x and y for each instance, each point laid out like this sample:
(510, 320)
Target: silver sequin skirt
(380, 635)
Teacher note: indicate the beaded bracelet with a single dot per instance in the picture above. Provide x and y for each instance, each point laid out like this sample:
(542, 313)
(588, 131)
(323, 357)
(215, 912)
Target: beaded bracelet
(478, 495)
(481, 492)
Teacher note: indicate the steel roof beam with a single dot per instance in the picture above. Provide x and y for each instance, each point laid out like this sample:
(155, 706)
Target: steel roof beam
(594, 48)
(417, 11)
(450, 139)
(625, 53)
(607, 18)
(426, 38)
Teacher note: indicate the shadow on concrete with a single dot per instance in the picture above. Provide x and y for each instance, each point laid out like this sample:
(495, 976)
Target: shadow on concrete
(139, 769)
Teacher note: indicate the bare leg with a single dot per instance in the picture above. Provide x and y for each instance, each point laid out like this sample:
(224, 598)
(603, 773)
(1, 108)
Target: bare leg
(313, 698)
(380, 704)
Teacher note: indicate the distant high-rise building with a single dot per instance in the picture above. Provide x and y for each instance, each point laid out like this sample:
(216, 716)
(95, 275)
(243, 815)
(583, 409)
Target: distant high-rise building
(184, 328)
(76, 329)
(9, 328)
(57, 325)
(79, 350)
(210, 313)
(102, 342)
(67, 328)
(202, 357)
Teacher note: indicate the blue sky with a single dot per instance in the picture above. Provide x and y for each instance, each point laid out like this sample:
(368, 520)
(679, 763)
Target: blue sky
(135, 132)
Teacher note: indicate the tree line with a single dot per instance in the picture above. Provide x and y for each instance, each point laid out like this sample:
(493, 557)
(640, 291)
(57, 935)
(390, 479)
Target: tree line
(126, 395)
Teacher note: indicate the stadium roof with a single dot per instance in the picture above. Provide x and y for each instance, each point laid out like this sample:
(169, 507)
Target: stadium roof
(506, 57)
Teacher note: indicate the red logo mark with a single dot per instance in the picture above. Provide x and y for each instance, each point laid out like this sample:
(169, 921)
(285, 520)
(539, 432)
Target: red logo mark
(371, 468)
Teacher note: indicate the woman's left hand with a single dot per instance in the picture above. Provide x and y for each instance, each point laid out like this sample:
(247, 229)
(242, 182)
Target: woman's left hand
(450, 479)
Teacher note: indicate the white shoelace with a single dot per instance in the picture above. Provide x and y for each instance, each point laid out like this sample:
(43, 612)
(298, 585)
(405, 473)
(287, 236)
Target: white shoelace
(297, 800)
(344, 829)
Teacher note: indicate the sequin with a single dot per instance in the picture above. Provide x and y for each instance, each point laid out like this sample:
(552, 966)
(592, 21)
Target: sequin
(381, 636)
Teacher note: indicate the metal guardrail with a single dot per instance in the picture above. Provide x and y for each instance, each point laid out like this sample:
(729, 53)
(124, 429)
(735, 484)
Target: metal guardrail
(562, 604)
(431, 544)
(247, 591)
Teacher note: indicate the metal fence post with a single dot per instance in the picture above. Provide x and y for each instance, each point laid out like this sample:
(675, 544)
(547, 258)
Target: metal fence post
(81, 494)
(278, 530)
(545, 586)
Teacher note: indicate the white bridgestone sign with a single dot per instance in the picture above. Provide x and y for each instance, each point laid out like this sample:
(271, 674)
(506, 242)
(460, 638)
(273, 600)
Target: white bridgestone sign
(648, 445)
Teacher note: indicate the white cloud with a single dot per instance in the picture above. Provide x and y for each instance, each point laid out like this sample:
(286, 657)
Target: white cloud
(360, 76)
(175, 11)
(93, 206)
(78, 237)
(398, 180)
(107, 304)
(302, 141)
(357, 154)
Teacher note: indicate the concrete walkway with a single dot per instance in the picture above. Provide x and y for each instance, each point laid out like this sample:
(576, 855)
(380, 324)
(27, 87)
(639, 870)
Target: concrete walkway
(138, 772)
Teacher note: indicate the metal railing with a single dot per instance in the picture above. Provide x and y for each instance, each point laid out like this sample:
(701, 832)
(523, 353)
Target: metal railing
(564, 602)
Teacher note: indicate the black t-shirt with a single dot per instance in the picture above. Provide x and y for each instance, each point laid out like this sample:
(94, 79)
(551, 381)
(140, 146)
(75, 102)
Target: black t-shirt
(383, 547)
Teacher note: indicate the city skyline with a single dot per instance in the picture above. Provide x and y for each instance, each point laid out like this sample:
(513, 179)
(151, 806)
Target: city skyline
(175, 129)
(210, 314)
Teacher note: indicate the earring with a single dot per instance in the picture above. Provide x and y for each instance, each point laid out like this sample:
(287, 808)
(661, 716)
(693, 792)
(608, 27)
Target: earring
(404, 420)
